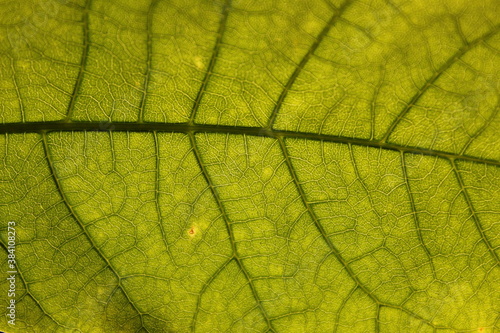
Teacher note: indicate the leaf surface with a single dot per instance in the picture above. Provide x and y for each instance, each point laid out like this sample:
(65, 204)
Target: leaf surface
(251, 166)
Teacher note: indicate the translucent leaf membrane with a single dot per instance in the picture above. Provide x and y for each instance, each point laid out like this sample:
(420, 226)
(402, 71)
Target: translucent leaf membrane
(250, 166)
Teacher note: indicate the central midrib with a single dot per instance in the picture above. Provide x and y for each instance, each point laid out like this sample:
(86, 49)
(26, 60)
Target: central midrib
(39, 127)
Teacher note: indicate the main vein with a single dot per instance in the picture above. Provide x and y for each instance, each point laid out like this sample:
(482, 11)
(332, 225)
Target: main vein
(250, 131)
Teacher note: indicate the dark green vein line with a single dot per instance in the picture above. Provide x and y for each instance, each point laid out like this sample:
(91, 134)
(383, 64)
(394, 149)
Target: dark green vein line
(18, 92)
(83, 61)
(373, 103)
(370, 199)
(341, 308)
(298, 69)
(497, 321)
(213, 60)
(250, 131)
(488, 122)
(82, 227)
(297, 312)
(28, 292)
(157, 196)
(437, 74)
(360, 179)
(475, 218)
(149, 53)
(203, 289)
(112, 294)
(317, 223)
(415, 215)
(377, 319)
(225, 216)
(330, 244)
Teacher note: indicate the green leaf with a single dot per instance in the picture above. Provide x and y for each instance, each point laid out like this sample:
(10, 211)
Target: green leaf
(250, 166)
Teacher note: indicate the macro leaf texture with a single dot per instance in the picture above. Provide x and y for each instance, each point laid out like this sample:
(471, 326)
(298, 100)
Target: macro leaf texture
(251, 166)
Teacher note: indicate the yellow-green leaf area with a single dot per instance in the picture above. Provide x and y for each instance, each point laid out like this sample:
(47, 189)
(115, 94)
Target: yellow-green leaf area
(250, 166)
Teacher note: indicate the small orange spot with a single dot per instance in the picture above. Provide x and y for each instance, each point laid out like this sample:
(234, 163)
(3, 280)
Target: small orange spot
(481, 329)
(191, 231)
